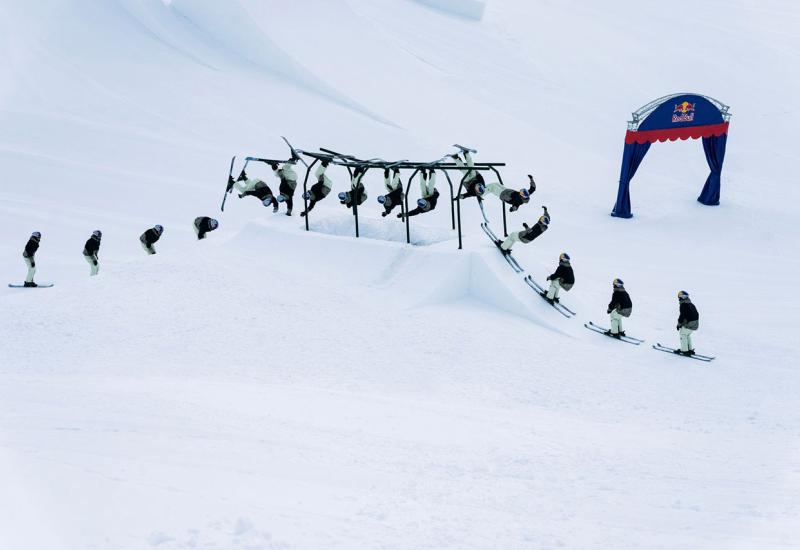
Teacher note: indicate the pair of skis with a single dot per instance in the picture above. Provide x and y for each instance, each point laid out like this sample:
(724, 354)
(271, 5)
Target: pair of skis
(529, 280)
(636, 341)
(38, 285)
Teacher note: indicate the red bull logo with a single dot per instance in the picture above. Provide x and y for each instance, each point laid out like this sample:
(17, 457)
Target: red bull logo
(684, 112)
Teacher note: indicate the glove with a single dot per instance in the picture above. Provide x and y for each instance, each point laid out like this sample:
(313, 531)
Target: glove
(549, 278)
(273, 165)
(454, 156)
(678, 327)
(94, 262)
(525, 225)
(513, 208)
(33, 263)
(325, 163)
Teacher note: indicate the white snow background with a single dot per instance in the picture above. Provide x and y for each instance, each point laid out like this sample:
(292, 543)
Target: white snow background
(272, 388)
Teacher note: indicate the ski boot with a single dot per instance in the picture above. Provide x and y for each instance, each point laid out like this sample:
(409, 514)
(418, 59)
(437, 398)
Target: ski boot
(30, 284)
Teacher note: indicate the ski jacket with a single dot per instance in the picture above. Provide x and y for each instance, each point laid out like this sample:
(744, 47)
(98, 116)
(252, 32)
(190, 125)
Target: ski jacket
(30, 248)
(150, 237)
(513, 198)
(358, 192)
(531, 233)
(621, 302)
(564, 275)
(689, 317)
(92, 247)
(288, 178)
(202, 224)
(432, 200)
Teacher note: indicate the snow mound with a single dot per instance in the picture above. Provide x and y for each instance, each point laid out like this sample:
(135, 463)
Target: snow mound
(391, 229)
(471, 9)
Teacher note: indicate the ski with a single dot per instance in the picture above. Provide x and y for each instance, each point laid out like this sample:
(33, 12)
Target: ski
(295, 152)
(465, 149)
(38, 285)
(597, 328)
(562, 309)
(483, 210)
(510, 259)
(665, 349)
(229, 185)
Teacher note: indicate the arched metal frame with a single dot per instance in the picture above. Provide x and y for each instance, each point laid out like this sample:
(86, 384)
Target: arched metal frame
(638, 116)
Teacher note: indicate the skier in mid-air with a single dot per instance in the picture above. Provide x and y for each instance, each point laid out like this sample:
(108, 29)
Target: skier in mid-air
(319, 190)
(688, 322)
(150, 237)
(563, 278)
(204, 224)
(288, 178)
(430, 195)
(619, 307)
(29, 256)
(254, 187)
(526, 235)
(91, 250)
(394, 188)
(511, 197)
(473, 182)
(357, 193)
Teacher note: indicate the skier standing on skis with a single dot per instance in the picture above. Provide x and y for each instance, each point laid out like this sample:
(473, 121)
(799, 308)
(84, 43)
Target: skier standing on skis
(150, 237)
(357, 193)
(319, 190)
(619, 307)
(394, 188)
(254, 187)
(688, 322)
(288, 178)
(526, 235)
(204, 224)
(29, 256)
(90, 251)
(430, 195)
(473, 182)
(509, 196)
(561, 279)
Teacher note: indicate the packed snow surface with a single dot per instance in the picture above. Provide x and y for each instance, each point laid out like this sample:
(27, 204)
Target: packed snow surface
(272, 388)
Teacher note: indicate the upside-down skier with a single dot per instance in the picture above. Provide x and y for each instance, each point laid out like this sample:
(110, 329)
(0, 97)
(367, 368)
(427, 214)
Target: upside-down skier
(474, 184)
(563, 278)
(430, 195)
(319, 190)
(288, 177)
(29, 255)
(203, 225)
(357, 193)
(394, 188)
(511, 197)
(91, 250)
(688, 322)
(620, 306)
(150, 237)
(527, 235)
(254, 187)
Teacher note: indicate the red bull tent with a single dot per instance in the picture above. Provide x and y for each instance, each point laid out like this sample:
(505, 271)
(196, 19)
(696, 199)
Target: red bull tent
(678, 116)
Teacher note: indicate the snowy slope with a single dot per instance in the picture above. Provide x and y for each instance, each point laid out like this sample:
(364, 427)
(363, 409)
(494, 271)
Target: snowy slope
(272, 388)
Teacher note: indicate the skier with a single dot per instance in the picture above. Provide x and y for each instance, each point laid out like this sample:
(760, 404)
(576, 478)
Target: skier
(150, 237)
(688, 322)
(473, 181)
(319, 190)
(90, 251)
(356, 189)
(619, 307)
(430, 195)
(561, 279)
(394, 186)
(29, 256)
(509, 196)
(288, 178)
(204, 224)
(253, 187)
(526, 235)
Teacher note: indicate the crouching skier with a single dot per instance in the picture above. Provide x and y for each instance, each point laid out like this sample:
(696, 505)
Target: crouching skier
(509, 196)
(204, 224)
(319, 190)
(150, 237)
(473, 182)
(288, 178)
(563, 278)
(91, 250)
(357, 194)
(619, 307)
(526, 235)
(430, 195)
(688, 322)
(29, 256)
(394, 188)
(254, 187)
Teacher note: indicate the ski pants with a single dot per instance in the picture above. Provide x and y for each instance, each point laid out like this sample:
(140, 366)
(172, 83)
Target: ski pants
(616, 322)
(148, 248)
(555, 286)
(31, 263)
(93, 263)
(686, 338)
(512, 238)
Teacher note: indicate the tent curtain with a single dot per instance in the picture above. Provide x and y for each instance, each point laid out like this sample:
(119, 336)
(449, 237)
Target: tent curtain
(714, 148)
(632, 157)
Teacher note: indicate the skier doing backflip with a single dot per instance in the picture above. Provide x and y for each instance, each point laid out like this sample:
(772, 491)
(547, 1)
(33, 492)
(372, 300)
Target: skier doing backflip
(561, 279)
(509, 196)
(150, 238)
(394, 188)
(288, 178)
(254, 187)
(90, 251)
(473, 181)
(357, 193)
(430, 195)
(204, 224)
(319, 190)
(619, 307)
(688, 322)
(526, 235)
(29, 256)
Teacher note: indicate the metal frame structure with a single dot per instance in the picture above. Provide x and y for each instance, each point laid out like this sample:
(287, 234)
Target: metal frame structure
(638, 116)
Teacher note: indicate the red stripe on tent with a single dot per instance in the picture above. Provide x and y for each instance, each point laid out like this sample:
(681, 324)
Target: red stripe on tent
(672, 134)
